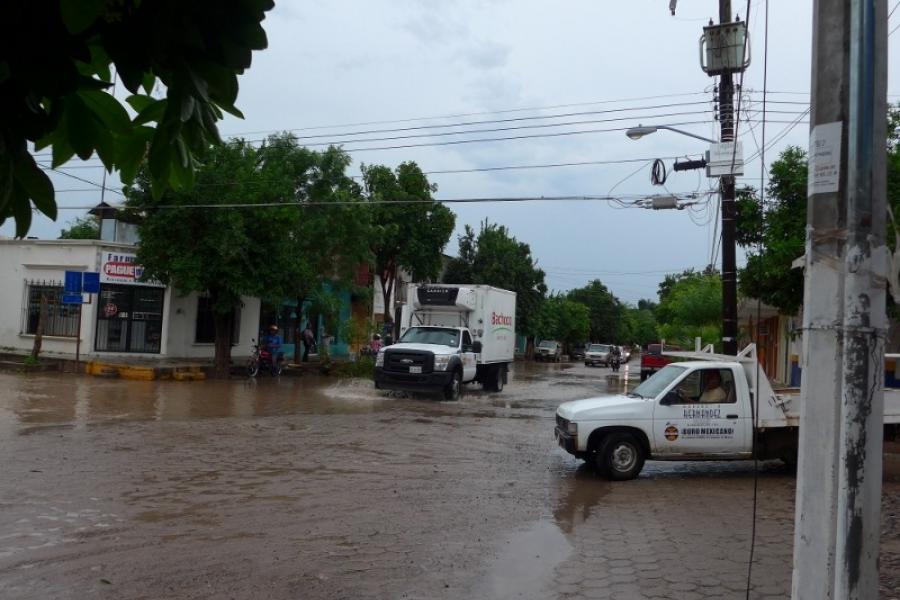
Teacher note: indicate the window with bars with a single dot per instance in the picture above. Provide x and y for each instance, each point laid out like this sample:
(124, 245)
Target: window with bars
(60, 319)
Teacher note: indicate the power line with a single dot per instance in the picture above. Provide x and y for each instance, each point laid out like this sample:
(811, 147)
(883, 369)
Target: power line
(628, 199)
(479, 113)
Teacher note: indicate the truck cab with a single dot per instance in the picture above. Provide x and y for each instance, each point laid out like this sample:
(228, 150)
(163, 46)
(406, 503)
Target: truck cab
(428, 357)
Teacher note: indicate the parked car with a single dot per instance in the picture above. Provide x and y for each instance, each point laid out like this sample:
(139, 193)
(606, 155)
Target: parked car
(652, 359)
(597, 354)
(548, 350)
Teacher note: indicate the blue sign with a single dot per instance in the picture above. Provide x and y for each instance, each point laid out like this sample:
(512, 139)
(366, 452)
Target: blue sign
(73, 282)
(72, 299)
(91, 283)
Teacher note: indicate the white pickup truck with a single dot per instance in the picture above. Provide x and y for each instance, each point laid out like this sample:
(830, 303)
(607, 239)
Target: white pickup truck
(700, 409)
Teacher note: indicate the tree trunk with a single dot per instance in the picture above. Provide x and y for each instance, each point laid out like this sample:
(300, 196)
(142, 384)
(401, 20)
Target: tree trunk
(39, 330)
(387, 287)
(529, 347)
(222, 361)
(298, 333)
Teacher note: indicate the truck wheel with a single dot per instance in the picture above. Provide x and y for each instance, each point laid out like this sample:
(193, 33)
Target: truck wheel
(497, 382)
(620, 457)
(451, 392)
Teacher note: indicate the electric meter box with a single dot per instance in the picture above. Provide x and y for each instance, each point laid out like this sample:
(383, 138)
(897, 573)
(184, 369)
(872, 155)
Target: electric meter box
(722, 48)
(722, 156)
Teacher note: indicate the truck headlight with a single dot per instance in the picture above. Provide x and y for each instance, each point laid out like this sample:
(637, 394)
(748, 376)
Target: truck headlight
(441, 362)
(379, 359)
(572, 428)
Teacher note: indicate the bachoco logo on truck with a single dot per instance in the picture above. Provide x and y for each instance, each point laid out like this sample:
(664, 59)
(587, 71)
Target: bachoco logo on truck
(501, 325)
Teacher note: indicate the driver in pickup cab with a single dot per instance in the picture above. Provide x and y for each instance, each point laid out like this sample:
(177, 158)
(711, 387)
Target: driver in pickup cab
(712, 390)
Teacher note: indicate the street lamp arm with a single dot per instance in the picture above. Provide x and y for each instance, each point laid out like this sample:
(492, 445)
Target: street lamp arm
(640, 131)
(687, 133)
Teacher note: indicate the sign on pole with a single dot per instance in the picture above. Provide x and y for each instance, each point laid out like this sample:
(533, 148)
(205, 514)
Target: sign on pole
(91, 283)
(73, 282)
(72, 299)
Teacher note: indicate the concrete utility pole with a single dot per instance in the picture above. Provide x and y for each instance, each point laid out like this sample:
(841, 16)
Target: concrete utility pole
(837, 525)
(729, 264)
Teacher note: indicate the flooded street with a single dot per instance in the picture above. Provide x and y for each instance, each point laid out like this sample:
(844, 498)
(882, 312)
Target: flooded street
(327, 489)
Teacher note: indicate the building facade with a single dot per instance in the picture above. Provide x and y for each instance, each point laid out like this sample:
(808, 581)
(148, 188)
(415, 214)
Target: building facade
(128, 317)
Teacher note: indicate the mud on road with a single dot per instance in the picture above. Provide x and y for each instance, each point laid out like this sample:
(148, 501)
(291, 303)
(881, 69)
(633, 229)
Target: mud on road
(324, 489)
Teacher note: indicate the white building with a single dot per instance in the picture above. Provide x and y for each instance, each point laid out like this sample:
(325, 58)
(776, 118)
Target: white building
(127, 318)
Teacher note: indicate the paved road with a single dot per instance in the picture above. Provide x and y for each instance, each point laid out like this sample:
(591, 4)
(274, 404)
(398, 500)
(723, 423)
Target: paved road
(325, 489)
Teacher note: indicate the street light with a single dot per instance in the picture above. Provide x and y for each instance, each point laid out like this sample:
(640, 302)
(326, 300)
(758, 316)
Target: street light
(640, 131)
(729, 267)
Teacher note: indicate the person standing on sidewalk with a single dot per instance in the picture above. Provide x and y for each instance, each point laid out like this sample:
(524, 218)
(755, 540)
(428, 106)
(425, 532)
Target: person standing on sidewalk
(308, 340)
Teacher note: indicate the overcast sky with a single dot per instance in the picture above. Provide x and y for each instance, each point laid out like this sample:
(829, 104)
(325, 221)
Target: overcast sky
(340, 65)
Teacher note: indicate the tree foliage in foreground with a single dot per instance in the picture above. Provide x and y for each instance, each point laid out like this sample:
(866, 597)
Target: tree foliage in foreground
(272, 243)
(56, 75)
(496, 258)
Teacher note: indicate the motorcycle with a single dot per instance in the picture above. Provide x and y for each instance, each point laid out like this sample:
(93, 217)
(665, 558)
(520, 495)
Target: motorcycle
(260, 358)
(614, 362)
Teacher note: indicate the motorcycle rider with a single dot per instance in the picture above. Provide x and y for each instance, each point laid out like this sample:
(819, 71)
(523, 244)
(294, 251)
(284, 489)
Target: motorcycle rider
(273, 346)
(615, 358)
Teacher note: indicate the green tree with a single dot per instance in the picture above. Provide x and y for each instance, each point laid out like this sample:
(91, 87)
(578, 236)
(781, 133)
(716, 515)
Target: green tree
(262, 247)
(691, 307)
(606, 311)
(640, 326)
(410, 228)
(81, 228)
(58, 97)
(331, 236)
(774, 237)
(496, 258)
(563, 320)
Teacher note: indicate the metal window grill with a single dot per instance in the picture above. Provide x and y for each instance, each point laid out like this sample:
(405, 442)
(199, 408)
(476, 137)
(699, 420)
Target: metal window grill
(61, 319)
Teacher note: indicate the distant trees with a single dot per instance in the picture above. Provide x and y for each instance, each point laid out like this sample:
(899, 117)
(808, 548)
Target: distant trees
(494, 257)
(690, 306)
(81, 228)
(607, 313)
(563, 320)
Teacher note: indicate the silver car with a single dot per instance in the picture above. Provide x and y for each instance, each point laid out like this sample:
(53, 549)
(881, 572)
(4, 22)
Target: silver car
(597, 354)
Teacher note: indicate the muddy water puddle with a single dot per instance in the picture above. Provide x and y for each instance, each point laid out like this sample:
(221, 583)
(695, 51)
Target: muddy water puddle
(41, 403)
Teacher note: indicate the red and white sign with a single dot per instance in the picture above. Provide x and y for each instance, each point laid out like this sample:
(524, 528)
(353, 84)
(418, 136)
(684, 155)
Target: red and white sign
(120, 267)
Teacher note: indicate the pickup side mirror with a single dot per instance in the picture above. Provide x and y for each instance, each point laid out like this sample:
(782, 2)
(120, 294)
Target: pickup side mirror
(476, 347)
(670, 398)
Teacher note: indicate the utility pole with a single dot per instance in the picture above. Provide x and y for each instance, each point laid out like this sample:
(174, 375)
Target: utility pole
(837, 527)
(726, 182)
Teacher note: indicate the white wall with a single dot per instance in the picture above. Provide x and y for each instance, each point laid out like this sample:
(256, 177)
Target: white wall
(48, 260)
(182, 326)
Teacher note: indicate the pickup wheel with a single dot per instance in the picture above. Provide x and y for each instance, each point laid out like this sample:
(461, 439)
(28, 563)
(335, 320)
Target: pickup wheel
(620, 457)
(451, 392)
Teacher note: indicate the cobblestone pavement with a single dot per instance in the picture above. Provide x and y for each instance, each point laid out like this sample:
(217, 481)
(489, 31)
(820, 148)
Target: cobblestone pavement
(325, 489)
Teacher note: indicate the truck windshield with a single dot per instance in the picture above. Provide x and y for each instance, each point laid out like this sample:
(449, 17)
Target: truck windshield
(652, 387)
(431, 335)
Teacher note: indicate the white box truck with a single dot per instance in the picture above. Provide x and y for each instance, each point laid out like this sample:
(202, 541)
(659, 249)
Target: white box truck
(709, 407)
(450, 335)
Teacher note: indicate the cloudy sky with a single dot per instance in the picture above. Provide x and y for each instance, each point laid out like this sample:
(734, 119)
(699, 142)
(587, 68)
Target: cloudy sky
(562, 79)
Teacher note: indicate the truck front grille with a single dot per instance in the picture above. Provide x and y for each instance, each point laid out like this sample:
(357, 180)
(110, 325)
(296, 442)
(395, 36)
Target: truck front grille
(400, 361)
